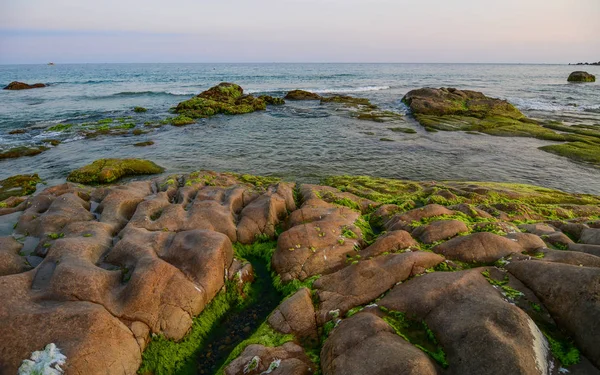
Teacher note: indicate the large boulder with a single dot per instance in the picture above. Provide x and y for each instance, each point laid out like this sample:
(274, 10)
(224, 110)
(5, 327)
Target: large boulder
(226, 98)
(15, 85)
(473, 323)
(366, 344)
(364, 281)
(580, 76)
(571, 293)
(480, 247)
(451, 101)
(296, 315)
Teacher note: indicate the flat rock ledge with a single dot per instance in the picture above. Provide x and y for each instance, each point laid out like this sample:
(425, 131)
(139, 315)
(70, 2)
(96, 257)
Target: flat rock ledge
(379, 276)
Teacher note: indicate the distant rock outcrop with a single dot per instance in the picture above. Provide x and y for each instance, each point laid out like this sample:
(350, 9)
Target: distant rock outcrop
(302, 95)
(581, 76)
(15, 85)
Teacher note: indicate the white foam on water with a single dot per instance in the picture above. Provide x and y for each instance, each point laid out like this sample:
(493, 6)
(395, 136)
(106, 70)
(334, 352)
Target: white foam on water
(44, 362)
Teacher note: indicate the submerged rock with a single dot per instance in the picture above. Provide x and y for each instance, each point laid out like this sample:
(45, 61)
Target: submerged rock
(226, 98)
(15, 85)
(580, 76)
(302, 95)
(105, 171)
(18, 152)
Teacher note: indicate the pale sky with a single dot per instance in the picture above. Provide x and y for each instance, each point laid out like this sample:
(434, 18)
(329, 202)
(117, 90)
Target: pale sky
(506, 31)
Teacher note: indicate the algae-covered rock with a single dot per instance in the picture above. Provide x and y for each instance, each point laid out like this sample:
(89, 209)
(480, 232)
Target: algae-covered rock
(348, 100)
(580, 151)
(17, 152)
(18, 186)
(144, 144)
(105, 171)
(226, 98)
(302, 95)
(139, 109)
(580, 76)
(271, 100)
(15, 85)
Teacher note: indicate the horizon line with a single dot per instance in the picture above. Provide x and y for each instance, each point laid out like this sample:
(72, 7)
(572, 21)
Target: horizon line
(310, 62)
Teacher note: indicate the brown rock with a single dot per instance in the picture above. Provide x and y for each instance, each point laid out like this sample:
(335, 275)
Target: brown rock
(15, 85)
(439, 230)
(10, 260)
(296, 315)
(570, 293)
(584, 248)
(570, 257)
(528, 241)
(590, 236)
(478, 248)
(288, 359)
(538, 229)
(366, 344)
(301, 95)
(390, 242)
(404, 221)
(473, 323)
(364, 281)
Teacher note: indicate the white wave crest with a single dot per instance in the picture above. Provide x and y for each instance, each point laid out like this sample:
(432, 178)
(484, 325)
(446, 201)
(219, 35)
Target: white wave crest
(352, 89)
(540, 105)
(327, 90)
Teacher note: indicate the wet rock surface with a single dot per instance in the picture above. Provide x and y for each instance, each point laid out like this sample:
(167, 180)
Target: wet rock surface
(15, 85)
(370, 276)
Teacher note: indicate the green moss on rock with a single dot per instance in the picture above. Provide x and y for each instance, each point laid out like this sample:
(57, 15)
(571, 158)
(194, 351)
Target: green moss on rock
(18, 186)
(105, 171)
(17, 152)
(271, 100)
(581, 77)
(302, 95)
(580, 151)
(226, 98)
(139, 109)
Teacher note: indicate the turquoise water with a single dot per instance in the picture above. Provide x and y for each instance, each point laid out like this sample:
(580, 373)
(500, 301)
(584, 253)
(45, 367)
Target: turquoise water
(301, 141)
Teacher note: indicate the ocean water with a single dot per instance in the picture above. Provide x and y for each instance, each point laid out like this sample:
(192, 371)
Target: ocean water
(300, 141)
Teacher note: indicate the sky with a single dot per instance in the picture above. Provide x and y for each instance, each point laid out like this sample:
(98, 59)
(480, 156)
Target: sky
(429, 31)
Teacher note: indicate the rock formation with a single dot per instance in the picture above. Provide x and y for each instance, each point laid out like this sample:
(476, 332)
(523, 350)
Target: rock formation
(378, 276)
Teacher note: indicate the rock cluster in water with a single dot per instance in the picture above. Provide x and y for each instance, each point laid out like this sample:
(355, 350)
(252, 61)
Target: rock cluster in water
(15, 85)
(382, 276)
(581, 77)
(450, 109)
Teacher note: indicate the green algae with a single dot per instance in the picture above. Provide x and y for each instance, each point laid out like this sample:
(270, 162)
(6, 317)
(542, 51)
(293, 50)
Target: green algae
(403, 130)
(416, 332)
(139, 109)
(164, 356)
(18, 186)
(181, 120)
(271, 100)
(226, 98)
(105, 171)
(60, 127)
(17, 152)
(580, 151)
(509, 292)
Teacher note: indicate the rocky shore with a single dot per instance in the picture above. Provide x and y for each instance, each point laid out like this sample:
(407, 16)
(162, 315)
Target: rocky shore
(375, 276)
(435, 109)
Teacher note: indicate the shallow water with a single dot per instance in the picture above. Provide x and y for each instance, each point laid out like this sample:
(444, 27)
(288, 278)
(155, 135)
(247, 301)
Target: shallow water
(301, 141)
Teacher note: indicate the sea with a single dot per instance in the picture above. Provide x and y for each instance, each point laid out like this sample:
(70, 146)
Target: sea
(299, 141)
